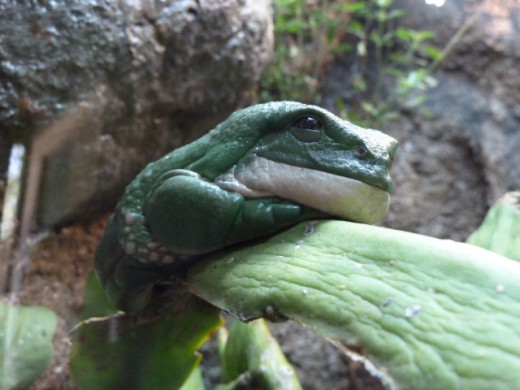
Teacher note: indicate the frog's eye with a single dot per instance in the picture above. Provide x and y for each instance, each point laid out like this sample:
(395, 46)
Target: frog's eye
(307, 129)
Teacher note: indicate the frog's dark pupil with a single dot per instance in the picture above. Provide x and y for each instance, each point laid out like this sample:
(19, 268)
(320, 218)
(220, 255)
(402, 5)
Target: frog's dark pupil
(308, 123)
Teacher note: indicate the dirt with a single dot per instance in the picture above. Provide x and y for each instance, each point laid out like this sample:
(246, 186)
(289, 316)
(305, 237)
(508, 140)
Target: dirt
(56, 279)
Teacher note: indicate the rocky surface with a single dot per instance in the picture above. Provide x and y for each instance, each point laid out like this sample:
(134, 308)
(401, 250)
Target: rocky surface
(117, 84)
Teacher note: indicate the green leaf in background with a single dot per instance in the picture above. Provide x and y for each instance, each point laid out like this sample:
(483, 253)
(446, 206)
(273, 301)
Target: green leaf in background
(500, 231)
(427, 313)
(252, 358)
(26, 348)
(155, 350)
(194, 381)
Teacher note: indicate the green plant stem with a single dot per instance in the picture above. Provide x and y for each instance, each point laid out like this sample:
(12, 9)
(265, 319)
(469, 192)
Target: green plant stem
(252, 358)
(428, 313)
(453, 42)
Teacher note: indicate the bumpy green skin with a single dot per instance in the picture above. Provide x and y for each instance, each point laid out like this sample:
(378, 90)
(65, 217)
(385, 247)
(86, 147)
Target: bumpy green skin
(177, 208)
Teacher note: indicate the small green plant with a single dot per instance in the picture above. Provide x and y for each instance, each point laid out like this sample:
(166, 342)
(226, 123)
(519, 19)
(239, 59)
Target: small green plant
(394, 63)
(308, 34)
(391, 65)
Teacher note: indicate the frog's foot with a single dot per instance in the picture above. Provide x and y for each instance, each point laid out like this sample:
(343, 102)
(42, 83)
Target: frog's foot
(135, 237)
(145, 249)
(130, 284)
(190, 215)
(128, 280)
(156, 253)
(137, 242)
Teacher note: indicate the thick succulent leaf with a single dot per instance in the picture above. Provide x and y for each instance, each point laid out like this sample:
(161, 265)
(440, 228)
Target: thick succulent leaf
(428, 313)
(194, 381)
(153, 350)
(26, 348)
(253, 358)
(500, 231)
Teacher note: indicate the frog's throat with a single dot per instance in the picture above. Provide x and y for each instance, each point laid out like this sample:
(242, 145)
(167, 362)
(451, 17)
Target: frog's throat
(333, 194)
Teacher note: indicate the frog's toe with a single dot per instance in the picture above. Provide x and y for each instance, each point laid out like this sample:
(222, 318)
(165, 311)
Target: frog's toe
(127, 281)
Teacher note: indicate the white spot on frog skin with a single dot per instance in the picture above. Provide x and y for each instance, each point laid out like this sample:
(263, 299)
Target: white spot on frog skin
(131, 218)
(305, 291)
(298, 244)
(230, 260)
(358, 266)
(431, 290)
(500, 288)
(412, 311)
(342, 287)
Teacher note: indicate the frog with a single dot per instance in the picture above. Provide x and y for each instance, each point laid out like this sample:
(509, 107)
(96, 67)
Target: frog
(264, 169)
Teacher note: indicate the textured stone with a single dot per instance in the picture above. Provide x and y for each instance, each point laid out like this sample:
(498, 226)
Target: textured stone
(117, 84)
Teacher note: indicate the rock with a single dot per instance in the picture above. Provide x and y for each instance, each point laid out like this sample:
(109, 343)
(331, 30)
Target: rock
(101, 88)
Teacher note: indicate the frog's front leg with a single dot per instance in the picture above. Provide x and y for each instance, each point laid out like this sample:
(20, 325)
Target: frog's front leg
(263, 216)
(190, 215)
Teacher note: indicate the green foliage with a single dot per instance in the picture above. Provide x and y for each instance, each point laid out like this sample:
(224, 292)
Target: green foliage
(157, 348)
(500, 231)
(391, 66)
(153, 350)
(26, 348)
(307, 34)
(252, 358)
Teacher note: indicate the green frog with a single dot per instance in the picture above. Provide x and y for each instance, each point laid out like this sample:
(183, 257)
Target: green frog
(264, 169)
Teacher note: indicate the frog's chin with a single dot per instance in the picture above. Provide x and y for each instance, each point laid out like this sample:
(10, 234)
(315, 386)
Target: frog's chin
(336, 195)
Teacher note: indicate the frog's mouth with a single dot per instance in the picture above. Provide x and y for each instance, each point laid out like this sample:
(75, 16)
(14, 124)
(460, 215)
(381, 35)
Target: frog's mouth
(333, 194)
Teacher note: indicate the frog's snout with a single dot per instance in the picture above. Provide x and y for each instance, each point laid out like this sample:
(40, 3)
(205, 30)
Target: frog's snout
(391, 148)
(383, 149)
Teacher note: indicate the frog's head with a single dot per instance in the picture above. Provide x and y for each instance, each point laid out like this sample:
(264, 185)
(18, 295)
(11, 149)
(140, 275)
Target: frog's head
(309, 155)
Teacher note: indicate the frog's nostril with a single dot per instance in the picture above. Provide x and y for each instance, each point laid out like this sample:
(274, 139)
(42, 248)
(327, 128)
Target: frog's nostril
(361, 151)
